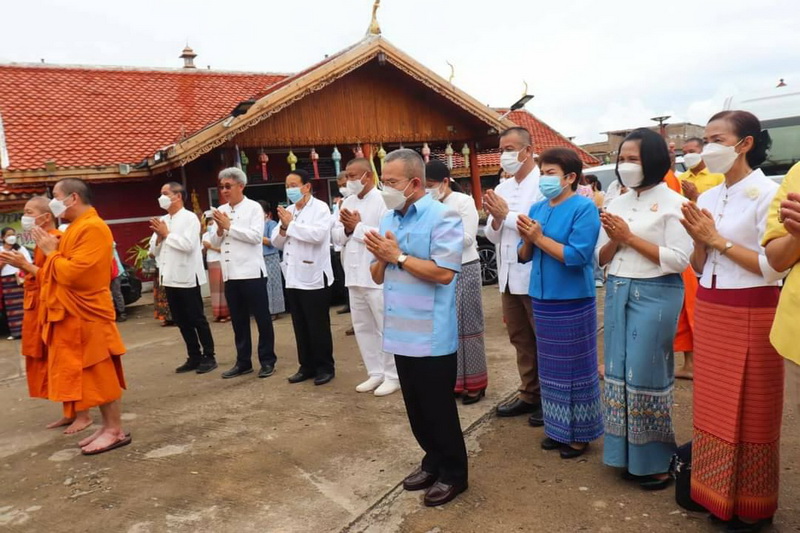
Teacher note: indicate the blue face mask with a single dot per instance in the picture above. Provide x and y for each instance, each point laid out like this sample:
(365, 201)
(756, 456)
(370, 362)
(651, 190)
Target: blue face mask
(550, 186)
(294, 195)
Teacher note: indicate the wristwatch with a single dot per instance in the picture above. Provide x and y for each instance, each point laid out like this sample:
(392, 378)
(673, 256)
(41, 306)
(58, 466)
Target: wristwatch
(401, 259)
(728, 246)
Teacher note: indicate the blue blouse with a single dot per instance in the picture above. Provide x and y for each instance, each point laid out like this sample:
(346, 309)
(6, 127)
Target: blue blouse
(575, 223)
(269, 225)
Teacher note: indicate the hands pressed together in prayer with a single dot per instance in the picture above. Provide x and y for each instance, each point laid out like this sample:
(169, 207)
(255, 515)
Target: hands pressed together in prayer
(384, 249)
(350, 220)
(13, 258)
(530, 230)
(495, 205)
(44, 241)
(789, 214)
(690, 190)
(285, 217)
(616, 227)
(222, 220)
(699, 224)
(159, 227)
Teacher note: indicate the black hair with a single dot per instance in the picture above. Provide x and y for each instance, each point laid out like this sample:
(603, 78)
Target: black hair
(77, 186)
(177, 188)
(304, 176)
(746, 124)
(654, 155)
(697, 140)
(522, 132)
(591, 179)
(3, 235)
(436, 170)
(567, 160)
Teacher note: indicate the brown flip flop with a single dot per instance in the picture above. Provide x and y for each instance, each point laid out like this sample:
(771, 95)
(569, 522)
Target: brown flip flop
(119, 444)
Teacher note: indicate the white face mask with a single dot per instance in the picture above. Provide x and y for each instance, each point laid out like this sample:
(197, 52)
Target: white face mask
(164, 202)
(356, 187)
(344, 191)
(719, 158)
(511, 163)
(393, 198)
(11, 240)
(58, 207)
(692, 160)
(28, 222)
(630, 174)
(435, 193)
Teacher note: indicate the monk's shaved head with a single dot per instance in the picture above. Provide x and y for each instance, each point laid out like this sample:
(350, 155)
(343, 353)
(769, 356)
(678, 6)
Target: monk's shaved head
(69, 186)
(40, 205)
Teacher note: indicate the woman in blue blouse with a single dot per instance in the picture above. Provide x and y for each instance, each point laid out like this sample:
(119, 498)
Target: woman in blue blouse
(559, 237)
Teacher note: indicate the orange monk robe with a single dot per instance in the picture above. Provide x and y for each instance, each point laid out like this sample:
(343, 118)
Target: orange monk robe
(83, 343)
(33, 348)
(684, 337)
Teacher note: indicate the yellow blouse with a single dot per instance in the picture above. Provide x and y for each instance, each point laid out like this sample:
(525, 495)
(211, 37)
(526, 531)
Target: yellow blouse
(703, 180)
(787, 318)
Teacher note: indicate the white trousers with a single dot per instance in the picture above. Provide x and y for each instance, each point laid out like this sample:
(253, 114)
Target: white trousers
(366, 311)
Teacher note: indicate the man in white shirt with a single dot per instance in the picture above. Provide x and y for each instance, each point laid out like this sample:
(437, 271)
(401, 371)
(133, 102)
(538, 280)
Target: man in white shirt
(361, 212)
(304, 235)
(511, 198)
(176, 244)
(240, 229)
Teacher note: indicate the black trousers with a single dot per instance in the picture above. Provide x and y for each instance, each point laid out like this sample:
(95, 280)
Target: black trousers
(248, 297)
(186, 305)
(312, 329)
(427, 384)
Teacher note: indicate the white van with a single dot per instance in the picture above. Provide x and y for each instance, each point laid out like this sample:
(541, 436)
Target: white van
(779, 112)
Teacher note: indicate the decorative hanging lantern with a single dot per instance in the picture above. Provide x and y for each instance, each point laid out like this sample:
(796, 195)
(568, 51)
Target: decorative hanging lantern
(426, 152)
(315, 163)
(372, 165)
(292, 160)
(381, 156)
(237, 157)
(263, 159)
(196, 204)
(465, 153)
(337, 160)
(449, 153)
(244, 160)
(358, 151)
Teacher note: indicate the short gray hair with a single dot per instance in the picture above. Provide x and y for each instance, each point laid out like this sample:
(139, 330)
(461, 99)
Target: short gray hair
(233, 173)
(412, 161)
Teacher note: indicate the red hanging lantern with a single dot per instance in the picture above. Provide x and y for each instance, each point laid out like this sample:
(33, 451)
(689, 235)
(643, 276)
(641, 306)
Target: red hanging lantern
(263, 158)
(314, 163)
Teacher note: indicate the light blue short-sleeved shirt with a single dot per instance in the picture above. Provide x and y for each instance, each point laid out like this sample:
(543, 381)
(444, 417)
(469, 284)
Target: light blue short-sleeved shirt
(420, 316)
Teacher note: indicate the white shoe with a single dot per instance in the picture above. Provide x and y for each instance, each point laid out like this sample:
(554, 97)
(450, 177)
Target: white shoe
(388, 387)
(370, 385)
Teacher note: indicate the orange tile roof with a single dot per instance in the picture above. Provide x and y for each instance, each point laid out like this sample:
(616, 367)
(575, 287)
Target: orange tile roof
(83, 116)
(545, 137)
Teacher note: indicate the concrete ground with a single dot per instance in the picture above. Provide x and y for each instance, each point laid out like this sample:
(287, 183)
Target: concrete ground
(241, 455)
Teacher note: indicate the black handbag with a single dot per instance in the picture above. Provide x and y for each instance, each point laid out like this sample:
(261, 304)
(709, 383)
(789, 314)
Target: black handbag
(681, 470)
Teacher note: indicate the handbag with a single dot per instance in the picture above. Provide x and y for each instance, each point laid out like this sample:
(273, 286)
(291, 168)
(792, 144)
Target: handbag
(681, 470)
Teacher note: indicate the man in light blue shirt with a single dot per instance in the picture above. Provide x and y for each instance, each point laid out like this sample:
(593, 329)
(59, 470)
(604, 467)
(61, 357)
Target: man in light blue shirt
(418, 255)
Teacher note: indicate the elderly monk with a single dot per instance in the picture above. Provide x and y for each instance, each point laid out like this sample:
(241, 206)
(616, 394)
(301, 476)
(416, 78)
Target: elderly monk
(83, 344)
(37, 214)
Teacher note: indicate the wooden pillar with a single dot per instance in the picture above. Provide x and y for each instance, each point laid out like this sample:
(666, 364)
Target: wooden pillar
(475, 176)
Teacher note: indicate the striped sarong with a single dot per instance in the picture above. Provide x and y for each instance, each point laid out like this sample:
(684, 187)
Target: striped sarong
(13, 296)
(219, 305)
(471, 375)
(738, 403)
(274, 284)
(566, 342)
(160, 304)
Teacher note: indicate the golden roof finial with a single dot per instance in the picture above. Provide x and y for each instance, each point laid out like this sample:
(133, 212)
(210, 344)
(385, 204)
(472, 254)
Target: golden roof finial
(374, 27)
(452, 72)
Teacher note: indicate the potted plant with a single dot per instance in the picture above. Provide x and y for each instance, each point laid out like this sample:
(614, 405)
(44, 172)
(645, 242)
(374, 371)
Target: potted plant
(139, 257)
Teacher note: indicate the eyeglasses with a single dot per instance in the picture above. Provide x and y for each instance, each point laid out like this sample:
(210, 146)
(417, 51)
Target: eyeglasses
(226, 186)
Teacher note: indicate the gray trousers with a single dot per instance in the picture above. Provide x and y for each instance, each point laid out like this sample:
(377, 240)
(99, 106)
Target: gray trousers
(116, 295)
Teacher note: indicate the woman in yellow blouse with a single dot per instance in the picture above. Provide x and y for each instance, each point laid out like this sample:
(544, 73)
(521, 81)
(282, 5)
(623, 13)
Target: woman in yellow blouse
(782, 241)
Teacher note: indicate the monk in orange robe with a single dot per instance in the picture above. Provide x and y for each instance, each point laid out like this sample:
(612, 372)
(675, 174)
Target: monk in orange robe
(684, 337)
(84, 347)
(34, 350)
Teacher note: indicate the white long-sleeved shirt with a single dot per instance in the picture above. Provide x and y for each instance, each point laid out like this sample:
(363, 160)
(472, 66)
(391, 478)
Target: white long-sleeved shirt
(520, 196)
(180, 255)
(306, 261)
(740, 214)
(240, 245)
(212, 256)
(356, 259)
(655, 216)
(10, 270)
(465, 206)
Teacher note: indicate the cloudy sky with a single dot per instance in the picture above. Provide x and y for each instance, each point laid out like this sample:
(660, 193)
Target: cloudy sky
(592, 65)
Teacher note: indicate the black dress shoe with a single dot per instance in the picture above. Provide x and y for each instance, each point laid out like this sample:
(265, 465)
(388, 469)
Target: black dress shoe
(323, 378)
(568, 452)
(236, 371)
(419, 480)
(266, 371)
(536, 419)
(441, 493)
(550, 444)
(299, 377)
(739, 526)
(515, 407)
(651, 483)
(469, 399)
(207, 365)
(188, 366)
